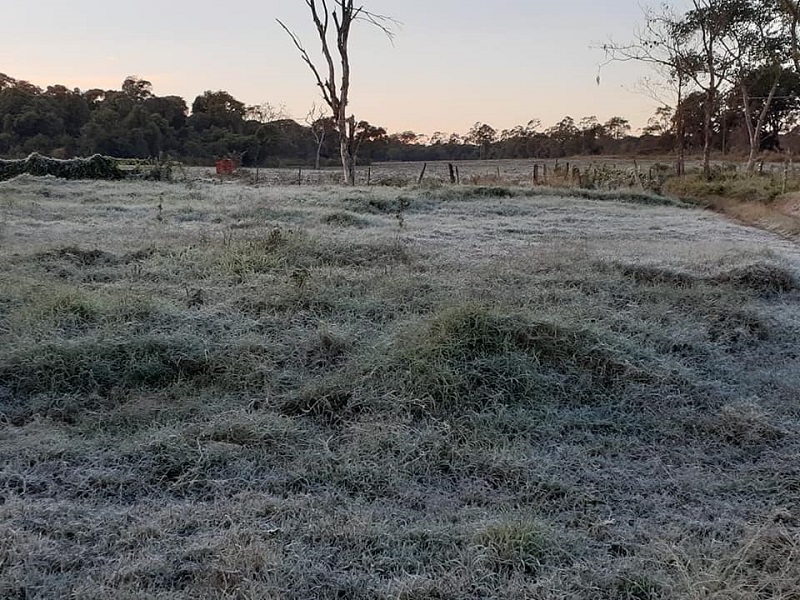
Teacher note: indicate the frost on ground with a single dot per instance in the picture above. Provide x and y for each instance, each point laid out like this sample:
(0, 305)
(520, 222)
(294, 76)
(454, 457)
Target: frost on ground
(222, 391)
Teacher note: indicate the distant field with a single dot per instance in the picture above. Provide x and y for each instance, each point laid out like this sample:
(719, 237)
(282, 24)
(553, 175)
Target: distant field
(235, 391)
(514, 172)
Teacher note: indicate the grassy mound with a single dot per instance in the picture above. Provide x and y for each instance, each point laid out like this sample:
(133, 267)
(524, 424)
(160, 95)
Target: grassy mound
(344, 219)
(454, 193)
(287, 248)
(652, 274)
(761, 278)
(112, 367)
(470, 356)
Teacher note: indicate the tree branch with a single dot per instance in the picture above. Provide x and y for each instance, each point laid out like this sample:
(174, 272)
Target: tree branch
(307, 59)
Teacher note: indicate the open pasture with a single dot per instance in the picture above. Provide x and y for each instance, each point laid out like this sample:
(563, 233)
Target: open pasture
(227, 391)
(614, 172)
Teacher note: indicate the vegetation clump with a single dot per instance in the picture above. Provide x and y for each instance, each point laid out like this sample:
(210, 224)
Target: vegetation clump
(762, 278)
(471, 356)
(99, 366)
(94, 167)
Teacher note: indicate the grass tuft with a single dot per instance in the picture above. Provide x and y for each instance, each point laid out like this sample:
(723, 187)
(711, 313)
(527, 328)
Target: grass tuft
(101, 365)
(345, 219)
(471, 356)
(745, 424)
(649, 274)
(522, 545)
(763, 278)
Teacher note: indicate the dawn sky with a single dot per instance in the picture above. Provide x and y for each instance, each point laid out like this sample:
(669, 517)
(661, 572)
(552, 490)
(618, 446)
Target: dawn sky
(453, 62)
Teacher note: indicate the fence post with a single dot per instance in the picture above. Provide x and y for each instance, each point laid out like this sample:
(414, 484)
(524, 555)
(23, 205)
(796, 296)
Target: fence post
(636, 174)
(785, 174)
(421, 175)
(452, 172)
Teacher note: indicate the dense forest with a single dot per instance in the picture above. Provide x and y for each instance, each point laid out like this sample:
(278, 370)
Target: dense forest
(133, 122)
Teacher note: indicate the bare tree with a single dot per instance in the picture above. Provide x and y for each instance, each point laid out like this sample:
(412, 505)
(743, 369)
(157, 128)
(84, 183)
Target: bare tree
(335, 83)
(709, 21)
(266, 112)
(662, 43)
(790, 13)
(693, 47)
(318, 123)
(756, 43)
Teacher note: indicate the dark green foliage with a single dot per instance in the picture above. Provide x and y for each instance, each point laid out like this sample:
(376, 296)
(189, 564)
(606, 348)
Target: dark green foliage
(94, 167)
(132, 122)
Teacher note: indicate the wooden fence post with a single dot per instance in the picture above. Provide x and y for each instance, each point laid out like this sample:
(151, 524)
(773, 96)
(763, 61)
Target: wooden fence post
(422, 174)
(452, 172)
(636, 174)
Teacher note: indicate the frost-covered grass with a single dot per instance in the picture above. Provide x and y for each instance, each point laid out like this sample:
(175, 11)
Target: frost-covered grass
(220, 391)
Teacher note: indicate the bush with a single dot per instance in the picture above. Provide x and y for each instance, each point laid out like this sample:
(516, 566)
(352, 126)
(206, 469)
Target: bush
(94, 167)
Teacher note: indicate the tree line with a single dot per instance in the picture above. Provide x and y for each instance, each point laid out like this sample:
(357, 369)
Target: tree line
(134, 122)
(729, 65)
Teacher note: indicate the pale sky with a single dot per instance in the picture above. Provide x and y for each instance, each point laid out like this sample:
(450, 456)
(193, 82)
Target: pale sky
(453, 62)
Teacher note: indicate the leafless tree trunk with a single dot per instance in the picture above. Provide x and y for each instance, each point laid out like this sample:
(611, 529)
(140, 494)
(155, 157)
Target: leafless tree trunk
(791, 9)
(337, 95)
(708, 34)
(315, 119)
(754, 129)
(756, 40)
(680, 127)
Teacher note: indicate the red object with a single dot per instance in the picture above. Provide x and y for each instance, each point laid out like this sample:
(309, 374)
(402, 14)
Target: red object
(225, 166)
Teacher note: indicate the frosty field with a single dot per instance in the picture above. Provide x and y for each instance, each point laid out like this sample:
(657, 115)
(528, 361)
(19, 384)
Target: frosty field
(228, 391)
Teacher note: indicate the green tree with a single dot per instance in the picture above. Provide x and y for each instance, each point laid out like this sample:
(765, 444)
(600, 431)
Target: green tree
(483, 136)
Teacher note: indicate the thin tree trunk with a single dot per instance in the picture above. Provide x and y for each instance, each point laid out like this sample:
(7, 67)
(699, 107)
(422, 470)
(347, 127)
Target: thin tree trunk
(708, 133)
(680, 131)
(708, 47)
(348, 165)
(320, 142)
(793, 8)
(754, 130)
(348, 160)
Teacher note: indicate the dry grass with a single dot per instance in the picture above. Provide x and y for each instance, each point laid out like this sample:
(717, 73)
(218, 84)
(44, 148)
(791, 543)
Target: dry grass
(762, 201)
(224, 391)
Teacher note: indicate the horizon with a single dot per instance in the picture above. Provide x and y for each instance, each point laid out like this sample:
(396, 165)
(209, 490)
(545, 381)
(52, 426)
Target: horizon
(490, 67)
